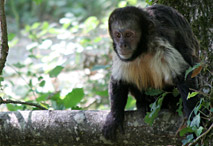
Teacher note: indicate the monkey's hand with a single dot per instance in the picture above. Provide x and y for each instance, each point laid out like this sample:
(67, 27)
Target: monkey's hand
(113, 122)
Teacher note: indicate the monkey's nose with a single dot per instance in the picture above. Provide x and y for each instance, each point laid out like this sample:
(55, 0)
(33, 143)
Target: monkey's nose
(123, 46)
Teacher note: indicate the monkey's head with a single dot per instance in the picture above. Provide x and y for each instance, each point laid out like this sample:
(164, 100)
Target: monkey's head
(128, 28)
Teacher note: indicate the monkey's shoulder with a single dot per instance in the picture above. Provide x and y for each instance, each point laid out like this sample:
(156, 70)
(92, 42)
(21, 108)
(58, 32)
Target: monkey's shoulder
(167, 16)
(159, 10)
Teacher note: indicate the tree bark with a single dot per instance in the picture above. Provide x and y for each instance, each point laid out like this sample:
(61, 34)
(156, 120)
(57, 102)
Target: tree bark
(65, 128)
(4, 41)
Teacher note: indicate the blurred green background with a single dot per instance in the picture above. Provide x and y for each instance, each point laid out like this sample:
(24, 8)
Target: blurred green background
(60, 53)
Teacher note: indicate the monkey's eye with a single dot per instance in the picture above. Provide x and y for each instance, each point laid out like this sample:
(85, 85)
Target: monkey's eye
(128, 34)
(117, 35)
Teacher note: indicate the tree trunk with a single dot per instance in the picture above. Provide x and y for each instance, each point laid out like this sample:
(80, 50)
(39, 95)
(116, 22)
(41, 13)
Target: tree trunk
(3, 33)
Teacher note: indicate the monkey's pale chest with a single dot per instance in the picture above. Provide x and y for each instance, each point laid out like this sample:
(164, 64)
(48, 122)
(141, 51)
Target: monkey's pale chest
(150, 70)
(143, 72)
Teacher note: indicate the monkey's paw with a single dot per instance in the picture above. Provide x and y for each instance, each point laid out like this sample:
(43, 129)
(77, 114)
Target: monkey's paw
(110, 127)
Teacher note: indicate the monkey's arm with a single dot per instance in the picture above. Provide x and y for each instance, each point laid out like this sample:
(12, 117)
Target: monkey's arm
(118, 91)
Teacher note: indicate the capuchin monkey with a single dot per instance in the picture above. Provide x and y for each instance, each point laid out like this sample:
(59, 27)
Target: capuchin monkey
(153, 47)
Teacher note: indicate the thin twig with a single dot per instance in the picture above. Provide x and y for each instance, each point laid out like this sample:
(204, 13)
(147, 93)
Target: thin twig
(198, 138)
(8, 101)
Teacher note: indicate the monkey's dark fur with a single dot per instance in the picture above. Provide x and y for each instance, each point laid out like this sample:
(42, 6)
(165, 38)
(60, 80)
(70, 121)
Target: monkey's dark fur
(166, 48)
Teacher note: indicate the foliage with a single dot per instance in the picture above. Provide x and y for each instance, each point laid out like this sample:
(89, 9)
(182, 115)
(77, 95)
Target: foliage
(56, 71)
(199, 15)
(73, 98)
(58, 49)
(196, 126)
(61, 50)
(38, 1)
(155, 108)
(192, 69)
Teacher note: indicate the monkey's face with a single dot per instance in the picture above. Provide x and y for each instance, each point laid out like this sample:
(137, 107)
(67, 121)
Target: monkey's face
(126, 36)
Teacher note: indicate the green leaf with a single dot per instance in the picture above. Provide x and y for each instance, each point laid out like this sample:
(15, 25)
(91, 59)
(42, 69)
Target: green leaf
(175, 92)
(30, 83)
(66, 25)
(190, 69)
(185, 131)
(56, 97)
(122, 4)
(42, 33)
(32, 56)
(130, 102)
(42, 97)
(90, 23)
(35, 25)
(190, 95)
(19, 65)
(12, 107)
(211, 110)
(45, 25)
(149, 2)
(164, 94)
(102, 93)
(199, 131)
(132, 2)
(97, 39)
(180, 107)
(76, 108)
(42, 83)
(38, 1)
(85, 41)
(197, 108)
(27, 28)
(11, 36)
(56, 71)
(40, 78)
(53, 31)
(73, 98)
(153, 92)
(1, 79)
(155, 108)
(57, 102)
(196, 121)
(188, 139)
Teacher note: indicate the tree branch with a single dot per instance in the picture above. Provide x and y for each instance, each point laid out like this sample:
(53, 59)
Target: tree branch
(47, 128)
(4, 42)
(8, 101)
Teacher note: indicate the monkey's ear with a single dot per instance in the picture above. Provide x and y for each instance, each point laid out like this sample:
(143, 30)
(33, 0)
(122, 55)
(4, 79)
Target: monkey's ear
(151, 24)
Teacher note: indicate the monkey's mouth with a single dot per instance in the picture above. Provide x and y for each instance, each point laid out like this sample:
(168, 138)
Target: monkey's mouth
(125, 54)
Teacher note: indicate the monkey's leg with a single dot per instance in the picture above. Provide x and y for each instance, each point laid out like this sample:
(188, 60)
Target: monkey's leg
(118, 91)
